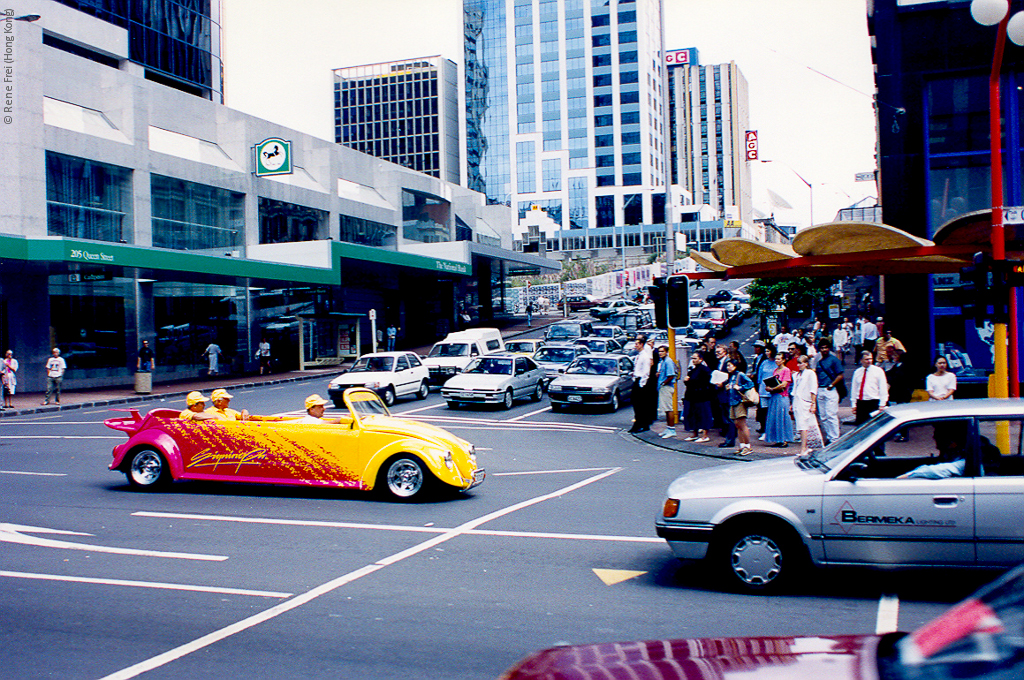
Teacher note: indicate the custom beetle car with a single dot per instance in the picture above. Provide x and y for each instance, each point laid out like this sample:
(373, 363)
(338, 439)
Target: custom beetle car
(926, 484)
(389, 374)
(495, 379)
(368, 450)
(978, 638)
(593, 380)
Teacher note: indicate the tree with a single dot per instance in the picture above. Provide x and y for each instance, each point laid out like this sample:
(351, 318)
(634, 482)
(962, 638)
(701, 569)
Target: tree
(801, 297)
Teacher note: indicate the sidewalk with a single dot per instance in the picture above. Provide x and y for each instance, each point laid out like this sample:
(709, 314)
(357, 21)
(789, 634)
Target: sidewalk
(31, 402)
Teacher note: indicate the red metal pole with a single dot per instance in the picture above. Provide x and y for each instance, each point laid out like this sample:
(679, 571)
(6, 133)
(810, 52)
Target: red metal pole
(1000, 379)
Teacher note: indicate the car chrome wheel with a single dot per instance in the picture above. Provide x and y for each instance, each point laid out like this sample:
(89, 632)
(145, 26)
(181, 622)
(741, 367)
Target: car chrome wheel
(147, 470)
(756, 560)
(405, 478)
(507, 403)
(423, 391)
(389, 396)
(538, 392)
(615, 402)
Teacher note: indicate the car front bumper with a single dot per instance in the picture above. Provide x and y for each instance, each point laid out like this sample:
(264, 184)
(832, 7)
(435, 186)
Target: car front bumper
(687, 542)
(580, 398)
(473, 396)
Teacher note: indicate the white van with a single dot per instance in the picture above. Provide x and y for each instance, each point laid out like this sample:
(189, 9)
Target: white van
(453, 354)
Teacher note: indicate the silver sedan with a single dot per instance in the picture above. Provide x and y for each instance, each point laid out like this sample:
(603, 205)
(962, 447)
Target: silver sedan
(495, 379)
(594, 379)
(936, 483)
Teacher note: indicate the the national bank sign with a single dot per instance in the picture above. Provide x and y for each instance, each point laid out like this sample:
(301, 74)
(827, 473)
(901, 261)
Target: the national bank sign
(687, 57)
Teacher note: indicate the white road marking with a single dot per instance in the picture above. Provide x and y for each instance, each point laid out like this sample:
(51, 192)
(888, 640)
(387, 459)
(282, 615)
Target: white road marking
(527, 415)
(543, 472)
(888, 620)
(15, 533)
(422, 408)
(36, 474)
(143, 584)
(310, 595)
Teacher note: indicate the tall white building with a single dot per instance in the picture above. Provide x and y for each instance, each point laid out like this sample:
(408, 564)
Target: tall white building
(709, 119)
(564, 115)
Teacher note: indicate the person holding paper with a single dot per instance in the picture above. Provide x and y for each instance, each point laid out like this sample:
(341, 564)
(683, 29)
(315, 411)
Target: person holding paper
(778, 426)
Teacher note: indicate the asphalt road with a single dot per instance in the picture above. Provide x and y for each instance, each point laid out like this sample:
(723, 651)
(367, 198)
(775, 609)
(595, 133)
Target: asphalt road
(213, 580)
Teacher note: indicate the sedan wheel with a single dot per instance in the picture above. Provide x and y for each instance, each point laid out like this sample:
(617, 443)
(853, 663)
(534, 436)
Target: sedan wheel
(423, 391)
(538, 392)
(759, 559)
(148, 470)
(405, 477)
(389, 396)
(615, 402)
(507, 403)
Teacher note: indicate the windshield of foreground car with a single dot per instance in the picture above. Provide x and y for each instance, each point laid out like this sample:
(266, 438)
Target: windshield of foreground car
(372, 364)
(593, 366)
(558, 355)
(365, 404)
(491, 366)
(827, 457)
(449, 349)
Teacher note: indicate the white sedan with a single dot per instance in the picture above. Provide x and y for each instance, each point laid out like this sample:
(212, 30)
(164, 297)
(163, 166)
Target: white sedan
(389, 374)
(495, 379)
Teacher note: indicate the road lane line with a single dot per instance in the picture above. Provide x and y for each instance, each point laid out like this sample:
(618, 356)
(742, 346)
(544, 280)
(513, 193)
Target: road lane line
(247, 623)
(417, 410)
(143, 584)
(35, 474)
(888, 620)
(16, 533)
(543, 472)
(526, 415)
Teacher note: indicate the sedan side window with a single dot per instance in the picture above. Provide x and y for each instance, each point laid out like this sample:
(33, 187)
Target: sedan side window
(1001, 445)
(403, 363)
(414, 360)
(521, 366)
(915, 449)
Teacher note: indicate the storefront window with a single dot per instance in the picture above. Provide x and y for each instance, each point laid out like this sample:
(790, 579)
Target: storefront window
(88, 322)
(86, 199)
(425, 218)
(189, 317)
(189, 216)
(287, 223)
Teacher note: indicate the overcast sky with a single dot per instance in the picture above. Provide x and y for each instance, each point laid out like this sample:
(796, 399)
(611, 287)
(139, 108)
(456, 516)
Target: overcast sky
(807, 64)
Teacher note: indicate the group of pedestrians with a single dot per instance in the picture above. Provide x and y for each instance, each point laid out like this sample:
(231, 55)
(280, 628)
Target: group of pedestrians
(55, 368)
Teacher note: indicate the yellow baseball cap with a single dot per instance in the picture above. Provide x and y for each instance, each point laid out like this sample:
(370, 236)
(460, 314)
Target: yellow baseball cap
(194, 398)
(315, 400)
(220, 393)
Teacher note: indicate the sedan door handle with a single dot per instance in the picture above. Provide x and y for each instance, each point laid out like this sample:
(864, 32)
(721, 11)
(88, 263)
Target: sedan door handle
(946, 501)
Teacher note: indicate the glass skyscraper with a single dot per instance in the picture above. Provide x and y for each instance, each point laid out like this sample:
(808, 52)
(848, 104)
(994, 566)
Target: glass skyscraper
(564, 114)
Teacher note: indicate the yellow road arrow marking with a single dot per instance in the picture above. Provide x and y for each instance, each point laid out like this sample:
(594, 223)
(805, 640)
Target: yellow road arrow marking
(613, 576)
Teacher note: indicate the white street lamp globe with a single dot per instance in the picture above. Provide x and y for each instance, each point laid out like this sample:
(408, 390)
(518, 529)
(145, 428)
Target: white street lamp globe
(989, 12)
(1015, 28)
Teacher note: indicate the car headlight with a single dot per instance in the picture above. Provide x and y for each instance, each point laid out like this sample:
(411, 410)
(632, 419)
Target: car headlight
(603, 390)
(372, 385)
(671, 507)
(555, 388)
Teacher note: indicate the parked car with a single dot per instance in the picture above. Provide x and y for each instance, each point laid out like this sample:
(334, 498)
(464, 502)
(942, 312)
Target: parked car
(593, 380)
(368, 450)
(977, 638)
(554, 358)
(389, 374)
(524, 347)
(612, 307)
(495, 379)
(614, 332)
(578, 303)
(567, 331)
(925, 484)
(601, 345)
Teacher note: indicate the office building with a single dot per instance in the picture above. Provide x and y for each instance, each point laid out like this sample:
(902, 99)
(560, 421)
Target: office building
(564, 119)
(709, 118)
(405, 112)
(137, 209)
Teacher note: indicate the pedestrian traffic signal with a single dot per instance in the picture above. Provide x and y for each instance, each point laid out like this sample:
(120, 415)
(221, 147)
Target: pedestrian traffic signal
(677, 300)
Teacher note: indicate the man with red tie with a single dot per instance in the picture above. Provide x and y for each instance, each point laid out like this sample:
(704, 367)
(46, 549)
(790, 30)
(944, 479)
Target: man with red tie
(870, 389)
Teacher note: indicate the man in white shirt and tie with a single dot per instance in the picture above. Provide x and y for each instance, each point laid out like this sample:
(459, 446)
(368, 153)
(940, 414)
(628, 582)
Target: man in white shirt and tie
(870, 390)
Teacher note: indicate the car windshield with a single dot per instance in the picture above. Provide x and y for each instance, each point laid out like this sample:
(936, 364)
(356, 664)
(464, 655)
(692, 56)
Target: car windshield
(491, 366)
(827, 457)
(714, 313)
(519, 346)
(558, 355)
(591, 366)
(365, 404)
(449, 349)
(978, 638)
(604, 332)
(557, 331)
(365, 364)
(699, 323)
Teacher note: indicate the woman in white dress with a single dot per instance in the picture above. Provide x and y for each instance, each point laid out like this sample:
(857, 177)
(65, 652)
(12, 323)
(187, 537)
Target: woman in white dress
(941, 384)
(805, 403)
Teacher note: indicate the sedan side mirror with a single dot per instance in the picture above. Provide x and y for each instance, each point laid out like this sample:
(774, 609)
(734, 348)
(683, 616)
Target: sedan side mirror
(853, 472)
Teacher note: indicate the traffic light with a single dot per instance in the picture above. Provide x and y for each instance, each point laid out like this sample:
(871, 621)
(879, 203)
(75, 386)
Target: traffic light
(985, 289)
(677, 300)
(657, 293)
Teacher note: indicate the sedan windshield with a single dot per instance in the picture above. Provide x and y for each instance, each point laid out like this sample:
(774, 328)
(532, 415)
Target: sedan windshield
(564, 332)
(449, 349)
(604, 332)
(589, 366)
(519, 346)
(827, 457)
(365, 364)
(490, 366)
(558, 355)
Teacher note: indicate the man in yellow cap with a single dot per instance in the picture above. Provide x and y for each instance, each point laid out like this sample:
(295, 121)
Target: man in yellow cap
(315, 411)
(196, 403)
(221, 399)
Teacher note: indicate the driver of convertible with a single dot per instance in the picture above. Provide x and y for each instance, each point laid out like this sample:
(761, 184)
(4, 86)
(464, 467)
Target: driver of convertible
(315, 411)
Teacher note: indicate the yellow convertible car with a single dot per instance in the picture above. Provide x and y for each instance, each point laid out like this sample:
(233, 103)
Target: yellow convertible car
(369, 449)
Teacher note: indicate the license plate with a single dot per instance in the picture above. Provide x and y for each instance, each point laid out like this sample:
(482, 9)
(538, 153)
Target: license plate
(466, 394)
(574, 397)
